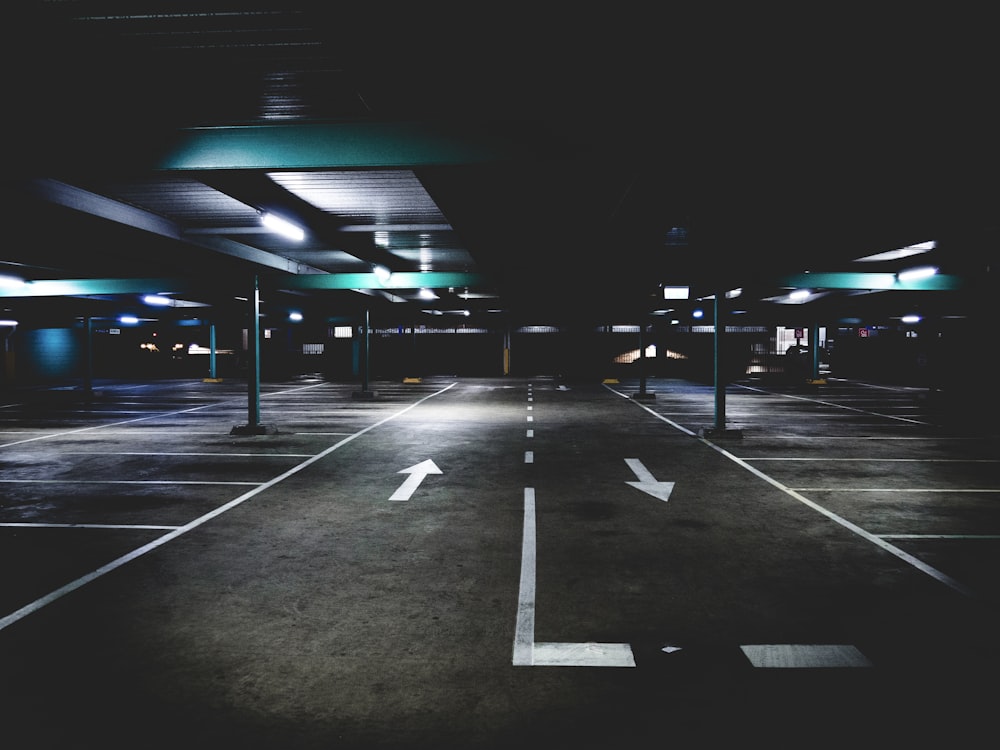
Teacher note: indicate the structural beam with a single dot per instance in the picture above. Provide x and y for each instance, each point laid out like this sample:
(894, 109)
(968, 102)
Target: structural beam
(79, 199)
(869, 281)
(405, 280)
(345, 146)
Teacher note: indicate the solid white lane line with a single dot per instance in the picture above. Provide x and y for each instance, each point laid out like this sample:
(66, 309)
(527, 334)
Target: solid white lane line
(524, 630)
(961, 537)
(122, 481)
(891, 489)
(146, 548)
(86, 526)
(527, 653)
(886, 460)
(185, 453)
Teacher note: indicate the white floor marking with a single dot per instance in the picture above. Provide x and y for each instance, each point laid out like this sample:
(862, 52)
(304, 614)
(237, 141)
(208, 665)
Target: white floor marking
(527, 653)
(52, 596)
(529, 457)
(530, 433)
(887, 460)
(416, 474)
(873, 538)
(121, 481)
(962, 537)
(647, 482)
(531, 418)
(793, 655)
(185, 453)
(891, 489)
(87, 526)
(530, 408)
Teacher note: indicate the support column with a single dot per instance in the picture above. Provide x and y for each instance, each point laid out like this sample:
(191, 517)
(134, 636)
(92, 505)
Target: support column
(719, 429)
(814, 378)
(365, 391)
(253, 425)
(212, 370)
(88, 355)
(643, 394)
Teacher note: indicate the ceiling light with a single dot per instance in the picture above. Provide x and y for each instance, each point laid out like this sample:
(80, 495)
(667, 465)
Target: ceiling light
(128, 319)
(8, 323)
(799, 294)
(427, 294)
(282, 226)
(676, 292)
(911, 318)
(157, 299)
(902, 252)
(697, 313)
(733, 293)
(382, 273)
(913, 274)
(295, 316)
(10, 282)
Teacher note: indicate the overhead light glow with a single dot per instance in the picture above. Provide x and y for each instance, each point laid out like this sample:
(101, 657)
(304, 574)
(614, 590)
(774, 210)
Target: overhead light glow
(799, 294)
(902, 252)
(282, 227)
(382, 273)
(128, 319)
(676, 292)
(8, 323)
(157, 299)
(698, 313)
(911, 319)
(427, 294)
(733, 293)
(10, 282)
(295, 316)
(913, 274)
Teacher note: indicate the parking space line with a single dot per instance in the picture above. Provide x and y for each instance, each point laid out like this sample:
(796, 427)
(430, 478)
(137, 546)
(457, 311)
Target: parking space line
(88, 526)
(527, 653)
(68, 588)
(796, 494)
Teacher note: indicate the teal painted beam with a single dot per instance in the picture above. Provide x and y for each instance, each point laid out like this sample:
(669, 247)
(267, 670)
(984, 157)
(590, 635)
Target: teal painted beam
(340, 145)
(404, 280)
(869, 281)
(82, 287)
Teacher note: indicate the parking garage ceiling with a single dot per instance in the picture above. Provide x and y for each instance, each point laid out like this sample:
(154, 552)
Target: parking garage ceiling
(542, 166)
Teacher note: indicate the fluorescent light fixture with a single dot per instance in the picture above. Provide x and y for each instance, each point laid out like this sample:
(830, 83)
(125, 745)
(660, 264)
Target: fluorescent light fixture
(128, 319)
(676, 292)
(427, 294)
(157, 299)
(382, 273)
(697, 313)
(799, 294)
(295, 316)
(902, 252)
(913, 274)
(10, 282)
(733, 293)
(911, 318)
(282, 227)
(8, 323)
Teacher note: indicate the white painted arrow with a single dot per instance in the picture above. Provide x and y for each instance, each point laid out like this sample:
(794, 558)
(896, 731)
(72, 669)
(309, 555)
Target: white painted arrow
(647, 482)
(417, 473)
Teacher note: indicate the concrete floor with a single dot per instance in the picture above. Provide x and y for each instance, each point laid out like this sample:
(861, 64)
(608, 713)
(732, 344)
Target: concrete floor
(831, 576)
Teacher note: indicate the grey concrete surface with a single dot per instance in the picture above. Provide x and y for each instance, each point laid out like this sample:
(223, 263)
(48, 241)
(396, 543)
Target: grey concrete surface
(830, 576)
